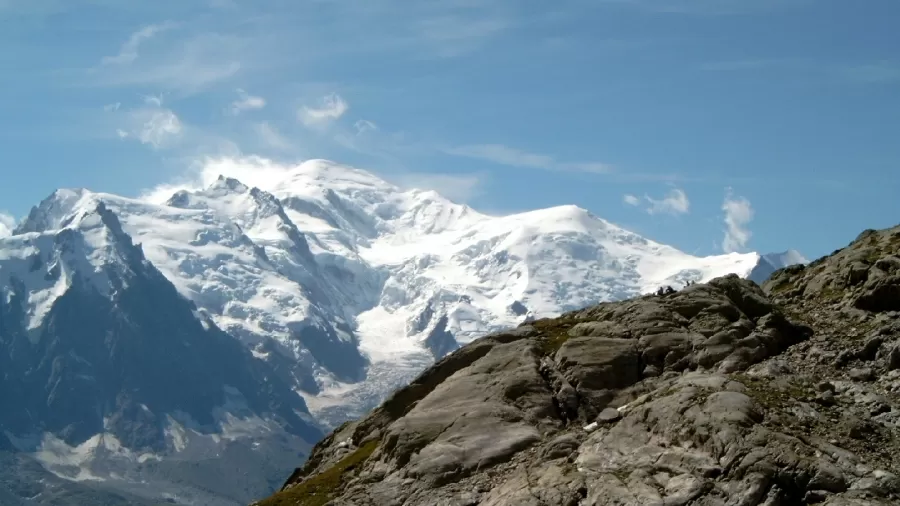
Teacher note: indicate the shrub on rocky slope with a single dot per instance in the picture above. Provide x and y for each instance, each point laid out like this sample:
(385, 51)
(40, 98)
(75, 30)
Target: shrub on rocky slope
(720, 394)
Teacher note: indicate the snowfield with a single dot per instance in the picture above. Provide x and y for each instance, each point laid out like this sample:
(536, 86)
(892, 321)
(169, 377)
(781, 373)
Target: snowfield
(335, 251)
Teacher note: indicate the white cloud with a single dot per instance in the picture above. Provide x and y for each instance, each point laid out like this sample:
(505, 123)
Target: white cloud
(595, 167)
(155, 126)
(154, 100)
(112, 107)
(456, 187)
(7, 224)
(362, 126)
(186, 65)
(675, 202)
(332, 107)
(160, 127)
(264, 173)
(128, 53)
(454, 35)
(246, 102)
(505, 155)
(738, 215)
(271, 137)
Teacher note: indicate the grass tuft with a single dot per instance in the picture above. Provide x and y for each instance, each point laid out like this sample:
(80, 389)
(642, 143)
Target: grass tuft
(320, 488)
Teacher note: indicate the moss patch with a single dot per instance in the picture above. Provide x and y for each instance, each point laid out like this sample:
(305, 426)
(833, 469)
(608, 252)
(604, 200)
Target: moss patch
(771, 396)
(321, 488)
(555, 332)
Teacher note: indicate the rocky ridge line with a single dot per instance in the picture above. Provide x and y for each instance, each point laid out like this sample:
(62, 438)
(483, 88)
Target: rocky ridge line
(724, 393)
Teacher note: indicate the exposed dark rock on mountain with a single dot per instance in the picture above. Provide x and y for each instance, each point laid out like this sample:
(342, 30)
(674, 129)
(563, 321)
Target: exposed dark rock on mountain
(440, 341)
(126, 362)
(121, 362)
(724, 393)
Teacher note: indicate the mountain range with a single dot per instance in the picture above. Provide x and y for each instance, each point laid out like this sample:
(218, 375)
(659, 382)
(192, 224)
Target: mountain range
(193, 350)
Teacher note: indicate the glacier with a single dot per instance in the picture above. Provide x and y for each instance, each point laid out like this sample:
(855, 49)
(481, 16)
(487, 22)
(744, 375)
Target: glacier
(348, 281)
(339, 284)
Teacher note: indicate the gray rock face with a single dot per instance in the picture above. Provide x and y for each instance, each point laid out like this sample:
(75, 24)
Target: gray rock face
(440, 341)
(721, 394)
(125, 364)
(696, 397)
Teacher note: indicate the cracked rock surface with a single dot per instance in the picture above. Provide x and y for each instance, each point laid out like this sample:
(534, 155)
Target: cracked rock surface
(723, 393)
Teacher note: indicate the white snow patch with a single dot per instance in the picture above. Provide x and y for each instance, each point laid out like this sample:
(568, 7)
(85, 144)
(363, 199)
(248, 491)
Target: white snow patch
(332, 244)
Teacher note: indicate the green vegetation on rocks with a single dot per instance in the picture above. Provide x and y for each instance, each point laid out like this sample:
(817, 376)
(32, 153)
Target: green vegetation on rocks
(320, 488)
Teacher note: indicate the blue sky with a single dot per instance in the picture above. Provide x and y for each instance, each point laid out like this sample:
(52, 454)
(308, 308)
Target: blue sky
(706, 124)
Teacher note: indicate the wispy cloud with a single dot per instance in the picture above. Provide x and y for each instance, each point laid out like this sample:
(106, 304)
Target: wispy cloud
(151, 124)
(456, 187)
(7, 224)
(246, 102)
(747, 64)
(362, 126)
(505, 155)
(454, 35)
(709, 7)
(738, 215)
(271, 137)
(265, 173)
(330, 108)
(675, 202)
(879, 72)
(158, 127)
(873, 73)
(419, 30)
(186, 65)
(128, 53)
(154, 100)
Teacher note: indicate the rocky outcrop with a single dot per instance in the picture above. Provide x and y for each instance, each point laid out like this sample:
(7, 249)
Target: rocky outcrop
(720, 394)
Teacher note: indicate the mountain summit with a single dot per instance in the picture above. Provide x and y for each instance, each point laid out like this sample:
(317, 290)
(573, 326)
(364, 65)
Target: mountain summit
(349, 285)
(155, 333)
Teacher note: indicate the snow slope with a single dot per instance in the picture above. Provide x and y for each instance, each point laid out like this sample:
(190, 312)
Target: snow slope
(771, 262)
(359, 283)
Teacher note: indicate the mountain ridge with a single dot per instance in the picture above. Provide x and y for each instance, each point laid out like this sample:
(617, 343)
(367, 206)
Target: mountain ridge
(107, 369)
(722, 393)
(366, 249)
(333, 287)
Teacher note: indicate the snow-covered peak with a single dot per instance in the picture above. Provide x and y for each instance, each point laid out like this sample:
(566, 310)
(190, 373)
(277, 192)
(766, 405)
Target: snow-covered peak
(259, 214)
(331, 265)
(325, 194)
(55, 210)
(327, 174)
(786, 258)
(771, 262)
(77, 242)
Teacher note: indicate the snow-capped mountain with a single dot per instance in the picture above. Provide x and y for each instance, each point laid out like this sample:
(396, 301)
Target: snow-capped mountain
(113, 380)
(771, 262)
(339, 285)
